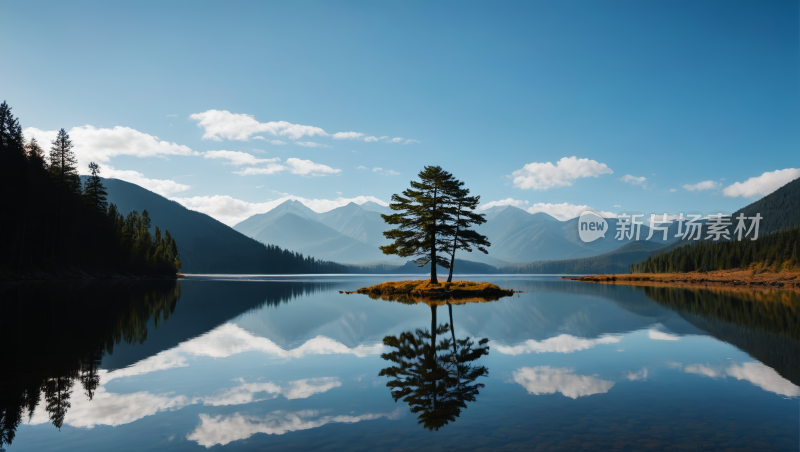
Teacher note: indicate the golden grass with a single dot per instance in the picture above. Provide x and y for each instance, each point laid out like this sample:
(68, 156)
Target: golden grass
(786, 279)
(456, 292)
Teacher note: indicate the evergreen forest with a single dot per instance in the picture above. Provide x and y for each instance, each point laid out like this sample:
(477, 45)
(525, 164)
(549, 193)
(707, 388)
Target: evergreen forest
(55, 226)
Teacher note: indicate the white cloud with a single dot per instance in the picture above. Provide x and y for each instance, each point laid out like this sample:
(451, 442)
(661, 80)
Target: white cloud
(633, 180)
(309, 168)
(272, 168)
(43, 137)
(409, 141)
(705, 185)
(617, 205)
(100, 145)
(222, 429)
(566, 211)
(230, 210)
(661, 336)
(347, 135)
(294, 165)
(224, 124)
(362, 167)
(311, 144)
(504, 202)
(762, 185)
(275, 142)
(640, 375)
(549, 380)
(161, 186)
(381, 171)
(238, 158)
(672, 190)
(563, 343)
(542, 176)
(218, 125)
(396, 140)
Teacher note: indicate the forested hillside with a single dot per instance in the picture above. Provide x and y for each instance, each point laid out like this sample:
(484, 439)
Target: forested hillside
(53, 225)
(780, 210)
(208, 246)
(772, 251)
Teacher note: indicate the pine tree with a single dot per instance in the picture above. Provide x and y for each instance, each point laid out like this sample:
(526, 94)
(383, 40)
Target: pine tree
(94, 193)
(64, 164)
(464, 217)
(424, 217)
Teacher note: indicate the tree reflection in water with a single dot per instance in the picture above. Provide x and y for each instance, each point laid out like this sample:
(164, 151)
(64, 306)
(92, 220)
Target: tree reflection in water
(53, 336)
(436, 379)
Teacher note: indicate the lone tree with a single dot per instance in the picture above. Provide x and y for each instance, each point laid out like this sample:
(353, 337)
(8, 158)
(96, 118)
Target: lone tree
(464, 217)
(424, 219)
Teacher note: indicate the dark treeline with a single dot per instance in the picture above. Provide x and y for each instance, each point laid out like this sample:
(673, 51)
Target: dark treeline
(52, 224)
(277, 260)
(773, 252)
(53, 337)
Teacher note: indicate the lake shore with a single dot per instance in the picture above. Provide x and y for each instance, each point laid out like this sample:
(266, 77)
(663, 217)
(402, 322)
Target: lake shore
(723, 278)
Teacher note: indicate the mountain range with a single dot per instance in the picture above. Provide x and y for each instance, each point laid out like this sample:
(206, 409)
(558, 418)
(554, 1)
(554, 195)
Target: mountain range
(351, 234)
(522, 242)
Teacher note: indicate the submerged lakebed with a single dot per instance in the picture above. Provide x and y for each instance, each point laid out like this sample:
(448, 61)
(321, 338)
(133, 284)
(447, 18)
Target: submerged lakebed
(279, 362)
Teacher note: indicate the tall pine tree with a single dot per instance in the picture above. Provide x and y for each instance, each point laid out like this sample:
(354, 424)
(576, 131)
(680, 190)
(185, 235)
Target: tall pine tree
(64, 164)
(464, 217)
(424, 219)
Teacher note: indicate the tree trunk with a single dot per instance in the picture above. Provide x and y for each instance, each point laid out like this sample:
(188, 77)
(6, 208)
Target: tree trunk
(434, 279)
(453, 257)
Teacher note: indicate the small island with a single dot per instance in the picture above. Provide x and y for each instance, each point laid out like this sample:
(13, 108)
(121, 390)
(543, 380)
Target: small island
(456, 292)
(433, 220)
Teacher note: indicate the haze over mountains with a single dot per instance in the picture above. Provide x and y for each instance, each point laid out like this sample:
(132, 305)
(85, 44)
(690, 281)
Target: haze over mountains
(352, 234)
(521, 242)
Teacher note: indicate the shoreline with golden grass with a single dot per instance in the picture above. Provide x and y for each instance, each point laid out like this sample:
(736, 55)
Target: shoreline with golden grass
(747, 279)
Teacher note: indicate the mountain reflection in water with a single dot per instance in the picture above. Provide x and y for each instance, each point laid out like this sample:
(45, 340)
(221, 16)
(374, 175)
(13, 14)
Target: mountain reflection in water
(290, 363)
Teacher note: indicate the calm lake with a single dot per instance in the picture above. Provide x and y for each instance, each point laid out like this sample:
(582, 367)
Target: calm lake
(289, 363)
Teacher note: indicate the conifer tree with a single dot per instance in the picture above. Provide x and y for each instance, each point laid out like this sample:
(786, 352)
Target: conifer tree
(64, 164)
(464, 217)
(94, 193)
(424, 219)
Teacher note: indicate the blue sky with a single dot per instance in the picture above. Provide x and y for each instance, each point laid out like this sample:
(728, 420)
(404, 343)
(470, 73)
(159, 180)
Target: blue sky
(679, 93)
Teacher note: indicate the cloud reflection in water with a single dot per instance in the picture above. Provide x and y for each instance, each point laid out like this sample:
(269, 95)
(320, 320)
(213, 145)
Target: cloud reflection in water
(549, 380)
(222, 430)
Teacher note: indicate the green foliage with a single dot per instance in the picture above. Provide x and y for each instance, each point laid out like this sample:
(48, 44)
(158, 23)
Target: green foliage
(424, 219)
(773, 249)
(434, 218)
(464, 217)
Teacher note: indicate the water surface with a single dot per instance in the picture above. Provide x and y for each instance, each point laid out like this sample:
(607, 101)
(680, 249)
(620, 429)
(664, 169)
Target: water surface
(289, 363)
